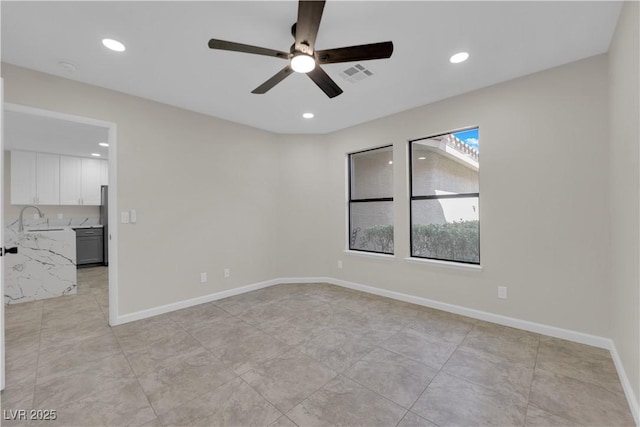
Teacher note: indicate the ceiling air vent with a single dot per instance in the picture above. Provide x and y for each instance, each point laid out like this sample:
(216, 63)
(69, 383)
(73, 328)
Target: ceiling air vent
(355, 74)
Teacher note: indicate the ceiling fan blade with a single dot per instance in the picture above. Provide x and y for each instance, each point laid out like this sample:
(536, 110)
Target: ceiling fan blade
(309, 16)
(324, 82)
(245, 48)
(355, 53)
(277, 78)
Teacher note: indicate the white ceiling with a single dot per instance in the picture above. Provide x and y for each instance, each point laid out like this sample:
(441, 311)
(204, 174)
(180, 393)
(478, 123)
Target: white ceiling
(51, 135)
(167, 58)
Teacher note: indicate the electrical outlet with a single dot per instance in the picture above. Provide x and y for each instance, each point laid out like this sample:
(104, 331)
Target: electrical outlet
(36, 216)
(502, 292)
(339, 263)
(227, 273)
(203, 277)
(124, 217)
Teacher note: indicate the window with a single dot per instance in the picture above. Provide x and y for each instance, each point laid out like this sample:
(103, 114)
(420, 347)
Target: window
(445, 195)
(371, 200)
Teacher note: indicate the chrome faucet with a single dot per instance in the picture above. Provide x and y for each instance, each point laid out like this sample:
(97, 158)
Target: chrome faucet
(21, 221)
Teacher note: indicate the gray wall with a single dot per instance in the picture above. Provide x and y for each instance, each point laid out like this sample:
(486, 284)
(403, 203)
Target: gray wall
(624, 190)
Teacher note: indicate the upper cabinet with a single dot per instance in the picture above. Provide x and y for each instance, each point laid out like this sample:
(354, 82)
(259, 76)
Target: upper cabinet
(35, 178)
(51, 179)
(91, 180)
(70, 179)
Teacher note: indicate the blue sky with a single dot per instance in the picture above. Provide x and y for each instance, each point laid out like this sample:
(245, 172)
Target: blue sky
(470, 137)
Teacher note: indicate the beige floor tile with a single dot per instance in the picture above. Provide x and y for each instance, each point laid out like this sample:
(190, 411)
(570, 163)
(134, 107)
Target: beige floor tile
(194, 317)
(57, 360)
(509, 343)
(15, 399)
(413, 420)
(442, 325)
(164, 352)
(176, 384)
(391, 375)
(578, 361)
(452, 401)
(579, 401)
(288, 379)
(143, 333)
(344, 402)
(536, 417)
(427, 349)
(188, 362)
(283, 421)
(232, 404)
(122, 403)
(491, 371)
(81, 381)
(338, 349)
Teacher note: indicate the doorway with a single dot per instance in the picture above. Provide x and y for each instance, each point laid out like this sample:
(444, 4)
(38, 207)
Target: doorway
(76, 140)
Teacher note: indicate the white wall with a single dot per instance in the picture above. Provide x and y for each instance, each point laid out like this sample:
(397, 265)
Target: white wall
(543, 203)
(624, 190)
(302, 206)
(203, 189)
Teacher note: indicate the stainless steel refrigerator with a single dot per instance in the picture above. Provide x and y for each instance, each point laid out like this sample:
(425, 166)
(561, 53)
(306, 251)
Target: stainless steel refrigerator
(104, 220)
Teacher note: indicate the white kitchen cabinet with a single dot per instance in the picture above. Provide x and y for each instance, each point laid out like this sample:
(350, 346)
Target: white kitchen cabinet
(91, 180)
(47, 179)
(80, 181)
(23, 177)
(70, 179)
(35, 178)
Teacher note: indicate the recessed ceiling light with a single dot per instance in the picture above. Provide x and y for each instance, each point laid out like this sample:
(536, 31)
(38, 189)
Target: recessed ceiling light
(113, 45)
(308, 115)
(459, 57)
(421, 158)
(95, 154)
(390, 162)
(103, 144)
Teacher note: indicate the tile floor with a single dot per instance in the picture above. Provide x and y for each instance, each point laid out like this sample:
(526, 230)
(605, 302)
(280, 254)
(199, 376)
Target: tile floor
(296, 354)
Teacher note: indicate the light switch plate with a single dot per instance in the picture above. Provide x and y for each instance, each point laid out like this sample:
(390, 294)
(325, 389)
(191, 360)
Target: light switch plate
(133, 216)
(124, 217)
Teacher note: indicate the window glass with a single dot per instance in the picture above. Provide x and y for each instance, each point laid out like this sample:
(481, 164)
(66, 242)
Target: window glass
(371, 200)
(445, 197)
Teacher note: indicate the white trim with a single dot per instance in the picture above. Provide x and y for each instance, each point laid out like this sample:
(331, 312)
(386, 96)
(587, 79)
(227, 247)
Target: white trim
(143, 314)
(386, 257)
(445, 264)
(626, 384)
(113, 189)
(526, 325)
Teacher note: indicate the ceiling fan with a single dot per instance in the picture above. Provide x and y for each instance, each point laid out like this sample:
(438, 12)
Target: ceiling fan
(303, 57)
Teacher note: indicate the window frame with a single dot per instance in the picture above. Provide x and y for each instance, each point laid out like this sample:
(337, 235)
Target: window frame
(413, 198)
(350, 200)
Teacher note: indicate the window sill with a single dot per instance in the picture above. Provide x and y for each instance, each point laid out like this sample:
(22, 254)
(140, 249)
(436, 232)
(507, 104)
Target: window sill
(363, 254)
(445, 264)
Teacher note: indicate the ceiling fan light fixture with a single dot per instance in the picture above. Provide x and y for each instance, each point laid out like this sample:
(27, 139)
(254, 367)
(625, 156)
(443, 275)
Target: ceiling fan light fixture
(303, 63)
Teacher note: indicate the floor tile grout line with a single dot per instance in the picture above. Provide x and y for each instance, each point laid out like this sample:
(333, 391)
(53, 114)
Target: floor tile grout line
(441, 367)
(533, 375)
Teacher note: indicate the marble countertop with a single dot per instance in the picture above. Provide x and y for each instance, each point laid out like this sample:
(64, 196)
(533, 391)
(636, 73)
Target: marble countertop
(53, 228)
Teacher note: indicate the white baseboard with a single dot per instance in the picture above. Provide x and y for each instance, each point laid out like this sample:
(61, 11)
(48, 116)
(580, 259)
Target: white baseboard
(526, 325)
(539, 328)
(155, 311)
(626, 384)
